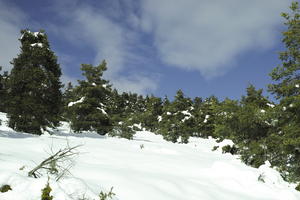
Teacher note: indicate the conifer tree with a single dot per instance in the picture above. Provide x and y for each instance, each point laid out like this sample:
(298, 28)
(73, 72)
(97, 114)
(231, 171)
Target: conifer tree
(3, 90)
(90, 110)
(68, 96)
(206, 118)
(152, 112)
(35, 96)
(287, 90)
(177, 122)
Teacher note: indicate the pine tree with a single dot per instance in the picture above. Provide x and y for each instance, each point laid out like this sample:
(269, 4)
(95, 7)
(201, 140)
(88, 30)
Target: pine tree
(255, 97)
(3, 91)
(90, 111)
(176, 120)
(205, 118)
(152, 112)
(287, 90)
(35, 96)
(69, 95)
(287, 74)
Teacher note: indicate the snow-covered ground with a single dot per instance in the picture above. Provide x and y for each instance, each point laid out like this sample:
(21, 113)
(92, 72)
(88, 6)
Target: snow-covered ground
(147, 168)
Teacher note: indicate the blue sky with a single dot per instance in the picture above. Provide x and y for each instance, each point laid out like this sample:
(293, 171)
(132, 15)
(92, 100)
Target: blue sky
(156, 46)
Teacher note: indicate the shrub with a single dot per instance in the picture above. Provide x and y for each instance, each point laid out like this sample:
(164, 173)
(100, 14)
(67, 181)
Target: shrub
(106, 196)
(46, 192)
(5, 188)
(215, 148)
(229, 149)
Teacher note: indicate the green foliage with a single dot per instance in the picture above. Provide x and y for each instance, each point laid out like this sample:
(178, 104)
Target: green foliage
(153, 110)
(176, 120)
(286, 75)
(89, 111)
(229, 149)
(106, 196)
(298, 187)
(34, 86)
(215, 148)
(69, 95)
(123, 130)
(46, 192)
(5, 188)
(286, 88)
(4, 78)
(205, 115)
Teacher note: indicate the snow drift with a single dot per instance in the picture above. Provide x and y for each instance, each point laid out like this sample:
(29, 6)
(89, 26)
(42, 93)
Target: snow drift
(146, 167)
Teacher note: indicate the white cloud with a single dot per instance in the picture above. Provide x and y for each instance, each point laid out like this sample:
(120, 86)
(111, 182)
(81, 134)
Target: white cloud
(109, 40)
(11, 19)
(209, 35)
(137, 83)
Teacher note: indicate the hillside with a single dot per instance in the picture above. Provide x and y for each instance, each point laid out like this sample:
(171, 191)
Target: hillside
(146, 167)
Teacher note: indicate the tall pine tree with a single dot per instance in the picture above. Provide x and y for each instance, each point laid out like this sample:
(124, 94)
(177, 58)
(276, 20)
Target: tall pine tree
(287, 90)
(35, 96)
(90, 111)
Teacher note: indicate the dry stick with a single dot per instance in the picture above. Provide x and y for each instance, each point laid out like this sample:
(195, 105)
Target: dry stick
(58, 156)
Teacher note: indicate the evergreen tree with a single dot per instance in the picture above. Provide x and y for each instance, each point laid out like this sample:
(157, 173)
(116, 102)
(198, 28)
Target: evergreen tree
(90, 111)
(4, 78)
(35, 96)
(153, 110)
(287, 90)
(205, 117)
(225, 117)
(255, 97)
(250, 127)
(69, 95)
(176, 120)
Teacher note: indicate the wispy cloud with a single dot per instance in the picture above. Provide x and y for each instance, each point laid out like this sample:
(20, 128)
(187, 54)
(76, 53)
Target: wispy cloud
(11, 20)
(209, 35)
(109, 40)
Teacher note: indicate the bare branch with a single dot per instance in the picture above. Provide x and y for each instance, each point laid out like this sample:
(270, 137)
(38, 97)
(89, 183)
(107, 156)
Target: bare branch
(51, 164)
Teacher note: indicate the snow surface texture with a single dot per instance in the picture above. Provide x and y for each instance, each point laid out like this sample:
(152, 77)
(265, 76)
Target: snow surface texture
(145, 168)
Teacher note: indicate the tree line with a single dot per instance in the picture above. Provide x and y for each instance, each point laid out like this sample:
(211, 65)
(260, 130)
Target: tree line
(31, 95)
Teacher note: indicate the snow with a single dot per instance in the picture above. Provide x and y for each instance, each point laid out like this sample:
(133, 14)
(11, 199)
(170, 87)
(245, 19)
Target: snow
(284, 108)
(159, 118)
(102, 110)
(262, 111)
(75, 102)
(206, 118)
(270, 105)
(37, 33)
(297, 86)
(187, 114)
(160, 170)
(37, 45)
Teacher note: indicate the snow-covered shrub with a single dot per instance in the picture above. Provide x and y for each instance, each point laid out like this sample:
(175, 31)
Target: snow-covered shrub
(5, 188)
(123, 130)
(229, 149)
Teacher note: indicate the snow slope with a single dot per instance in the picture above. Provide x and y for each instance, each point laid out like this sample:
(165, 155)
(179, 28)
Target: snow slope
(147, 168)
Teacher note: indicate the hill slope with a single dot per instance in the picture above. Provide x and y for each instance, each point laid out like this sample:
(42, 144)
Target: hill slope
(144, 168)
